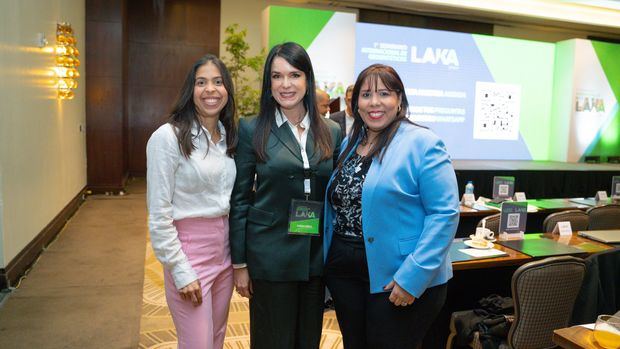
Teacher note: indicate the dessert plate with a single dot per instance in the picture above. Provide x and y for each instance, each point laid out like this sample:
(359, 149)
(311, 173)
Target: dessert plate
(475, 244)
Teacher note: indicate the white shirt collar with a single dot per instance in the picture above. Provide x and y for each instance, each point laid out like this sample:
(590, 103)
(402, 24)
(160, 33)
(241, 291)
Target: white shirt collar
(220, 127)
(281, 119)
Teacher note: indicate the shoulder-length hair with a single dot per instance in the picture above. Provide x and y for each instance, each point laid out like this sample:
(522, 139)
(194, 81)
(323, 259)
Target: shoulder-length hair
(184, 114)
(389, 77)
(296, 56)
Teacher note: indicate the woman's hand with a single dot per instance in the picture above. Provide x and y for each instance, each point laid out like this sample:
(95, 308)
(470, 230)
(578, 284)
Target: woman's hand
(192, 292)
(243, 284)
(399, 296)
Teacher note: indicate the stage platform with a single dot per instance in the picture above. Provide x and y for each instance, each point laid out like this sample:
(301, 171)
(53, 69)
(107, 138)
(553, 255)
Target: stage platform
(520, 165)
(538, 179)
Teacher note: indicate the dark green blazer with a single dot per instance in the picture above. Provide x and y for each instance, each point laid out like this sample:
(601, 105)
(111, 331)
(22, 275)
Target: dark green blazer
(259, 220)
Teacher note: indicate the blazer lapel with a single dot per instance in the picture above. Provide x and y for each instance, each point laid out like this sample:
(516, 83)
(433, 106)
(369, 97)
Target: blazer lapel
(313, 157)
(286, 137)
(375, 173)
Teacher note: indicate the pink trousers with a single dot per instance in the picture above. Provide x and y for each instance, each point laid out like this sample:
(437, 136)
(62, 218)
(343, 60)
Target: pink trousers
(205, 242)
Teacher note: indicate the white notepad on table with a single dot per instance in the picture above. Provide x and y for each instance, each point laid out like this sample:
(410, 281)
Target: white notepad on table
(478, 253)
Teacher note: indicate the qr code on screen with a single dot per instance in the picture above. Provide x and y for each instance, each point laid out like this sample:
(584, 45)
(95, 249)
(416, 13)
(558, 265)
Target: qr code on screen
(502, 190)
(513, 220)
(496, 111)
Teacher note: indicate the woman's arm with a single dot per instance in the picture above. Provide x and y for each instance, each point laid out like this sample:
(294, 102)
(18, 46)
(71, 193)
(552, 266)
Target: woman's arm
(439, 196)
(241, 198)
(162, 160)
(240, 201)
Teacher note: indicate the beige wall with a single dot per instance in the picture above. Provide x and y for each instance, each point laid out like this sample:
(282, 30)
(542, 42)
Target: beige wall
(42, 149)
(248, 14)
(536, 33)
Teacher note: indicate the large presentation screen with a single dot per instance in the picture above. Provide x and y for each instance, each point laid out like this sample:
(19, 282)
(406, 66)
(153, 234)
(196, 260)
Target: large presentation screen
(486, 97)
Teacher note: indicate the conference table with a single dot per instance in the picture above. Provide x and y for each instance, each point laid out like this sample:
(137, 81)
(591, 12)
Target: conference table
(475, 278)
(534, 246)
(539, 210)
(576, 337)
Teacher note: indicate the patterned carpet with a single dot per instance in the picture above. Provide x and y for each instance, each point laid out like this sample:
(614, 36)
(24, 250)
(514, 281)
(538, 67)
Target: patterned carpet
(157, 330)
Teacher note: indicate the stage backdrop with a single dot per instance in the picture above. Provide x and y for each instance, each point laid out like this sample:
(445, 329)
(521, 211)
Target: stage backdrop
(486, 97)
(328, 36)
(589, 75)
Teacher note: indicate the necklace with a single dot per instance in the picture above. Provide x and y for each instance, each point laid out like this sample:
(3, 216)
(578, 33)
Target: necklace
(365, 140)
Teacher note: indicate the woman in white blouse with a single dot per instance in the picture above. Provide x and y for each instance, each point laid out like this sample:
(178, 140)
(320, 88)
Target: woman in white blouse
(190, 175)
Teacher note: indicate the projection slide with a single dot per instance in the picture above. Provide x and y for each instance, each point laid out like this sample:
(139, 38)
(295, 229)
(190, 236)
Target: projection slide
(486, 97)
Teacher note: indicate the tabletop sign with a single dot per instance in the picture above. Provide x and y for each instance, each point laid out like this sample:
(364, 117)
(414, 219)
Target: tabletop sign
(512, 220)
(503, 187)
(520, 196)
(601, 195)
(615, 187)
(563, 228)
(468, 199)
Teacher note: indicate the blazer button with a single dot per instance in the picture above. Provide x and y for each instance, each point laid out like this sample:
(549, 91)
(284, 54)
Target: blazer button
(291, 177)
(371, 239)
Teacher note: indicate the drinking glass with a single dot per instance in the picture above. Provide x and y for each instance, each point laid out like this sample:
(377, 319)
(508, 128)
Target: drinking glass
(607, 331)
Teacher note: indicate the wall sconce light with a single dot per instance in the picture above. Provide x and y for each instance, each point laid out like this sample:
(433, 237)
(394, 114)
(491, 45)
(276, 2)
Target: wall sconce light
(67, 61)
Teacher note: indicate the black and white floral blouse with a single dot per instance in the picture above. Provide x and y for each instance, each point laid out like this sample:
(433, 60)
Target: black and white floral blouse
(346, 197)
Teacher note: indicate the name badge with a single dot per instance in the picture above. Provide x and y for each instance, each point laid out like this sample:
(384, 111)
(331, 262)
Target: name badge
(305, 217)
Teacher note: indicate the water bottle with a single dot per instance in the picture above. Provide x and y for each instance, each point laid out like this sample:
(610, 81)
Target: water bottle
(469, 187)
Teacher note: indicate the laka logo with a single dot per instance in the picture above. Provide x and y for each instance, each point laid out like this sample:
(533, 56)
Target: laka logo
(592, 104)
(304, 212)
(446, 56)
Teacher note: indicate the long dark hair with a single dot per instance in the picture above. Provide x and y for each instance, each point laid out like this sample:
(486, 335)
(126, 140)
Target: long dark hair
(391, 80)
(184, 114)
(296, 56)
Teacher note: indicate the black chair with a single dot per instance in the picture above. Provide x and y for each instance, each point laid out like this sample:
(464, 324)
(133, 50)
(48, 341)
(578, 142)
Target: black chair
(604, 217)
(579, 220)
(492, 222)
(544, 294)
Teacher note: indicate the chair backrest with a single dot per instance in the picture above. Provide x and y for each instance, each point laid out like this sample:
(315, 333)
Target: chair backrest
(600, 290)
(544, 294)
(492, 222)
(579, 220)
(604, 217)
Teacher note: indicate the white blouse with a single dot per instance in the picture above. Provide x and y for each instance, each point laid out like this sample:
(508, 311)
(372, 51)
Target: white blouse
(179, 188)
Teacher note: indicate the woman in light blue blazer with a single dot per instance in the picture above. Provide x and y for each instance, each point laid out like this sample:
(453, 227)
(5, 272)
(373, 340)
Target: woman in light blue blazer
(391, 214)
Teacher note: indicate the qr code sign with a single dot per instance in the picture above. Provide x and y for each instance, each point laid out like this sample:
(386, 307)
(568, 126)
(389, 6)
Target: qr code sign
(513, 221)
(496, 112)
(502, 189)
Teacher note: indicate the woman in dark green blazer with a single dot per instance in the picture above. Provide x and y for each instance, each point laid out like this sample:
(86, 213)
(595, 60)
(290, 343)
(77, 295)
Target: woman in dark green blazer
(287, 152)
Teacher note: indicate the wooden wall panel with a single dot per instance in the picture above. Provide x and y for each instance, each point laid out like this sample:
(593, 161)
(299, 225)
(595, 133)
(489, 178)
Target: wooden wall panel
(162, 45)
(104, 49)
(105, 113)
(163, 65)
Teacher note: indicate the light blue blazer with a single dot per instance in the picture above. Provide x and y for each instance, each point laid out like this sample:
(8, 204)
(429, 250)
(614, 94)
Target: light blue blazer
(410, 211)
